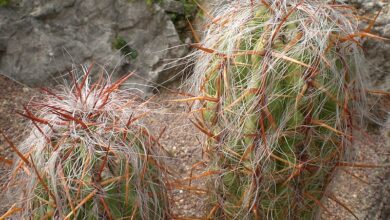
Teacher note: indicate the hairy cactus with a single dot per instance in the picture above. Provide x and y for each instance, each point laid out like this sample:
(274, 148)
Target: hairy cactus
(89, 156)
(278, 84)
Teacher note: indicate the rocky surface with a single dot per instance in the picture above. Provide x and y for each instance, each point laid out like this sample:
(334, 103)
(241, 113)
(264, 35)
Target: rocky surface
(377, 51)
(40, 40)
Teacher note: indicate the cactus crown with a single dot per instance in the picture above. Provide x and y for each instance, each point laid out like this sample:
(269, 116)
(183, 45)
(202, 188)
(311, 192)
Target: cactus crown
(89, 156)
(279, 84)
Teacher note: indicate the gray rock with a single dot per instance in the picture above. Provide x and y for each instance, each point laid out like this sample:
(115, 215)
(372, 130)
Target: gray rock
(41, 40)
(377, 51)
(173, 6)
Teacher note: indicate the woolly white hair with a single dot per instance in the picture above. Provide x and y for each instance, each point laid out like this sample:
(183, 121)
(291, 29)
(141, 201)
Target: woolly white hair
(253, 46)
(85, 139)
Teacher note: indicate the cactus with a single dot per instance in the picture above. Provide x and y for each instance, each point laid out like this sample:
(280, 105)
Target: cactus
(278, 86)
(89, 156)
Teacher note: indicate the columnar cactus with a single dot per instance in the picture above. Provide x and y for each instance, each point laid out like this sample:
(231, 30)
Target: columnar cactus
(279, 84)
(89, 156)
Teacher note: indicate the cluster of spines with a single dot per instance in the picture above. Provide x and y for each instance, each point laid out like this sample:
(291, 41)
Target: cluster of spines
(277, 85)
(89, 155)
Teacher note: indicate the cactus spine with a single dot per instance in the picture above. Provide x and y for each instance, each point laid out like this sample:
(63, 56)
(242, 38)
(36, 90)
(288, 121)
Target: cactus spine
(89, 156)
(279, 83)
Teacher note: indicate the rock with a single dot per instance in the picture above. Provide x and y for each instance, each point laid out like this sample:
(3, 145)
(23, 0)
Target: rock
(202, 19)
(173, 6)
(377, 51)
(41, 40)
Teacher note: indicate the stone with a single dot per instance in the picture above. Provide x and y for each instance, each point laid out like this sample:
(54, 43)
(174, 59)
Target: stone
(42, 40)
(173, 6)
(377, 51)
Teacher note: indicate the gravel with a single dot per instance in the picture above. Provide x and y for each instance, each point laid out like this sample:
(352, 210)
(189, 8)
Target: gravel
(183, 142)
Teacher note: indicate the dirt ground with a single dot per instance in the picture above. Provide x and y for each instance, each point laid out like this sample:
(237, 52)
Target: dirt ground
(365, 192)
(361, 193)
(12, 98)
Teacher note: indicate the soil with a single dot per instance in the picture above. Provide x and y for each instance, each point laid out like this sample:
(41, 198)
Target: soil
(12, 98)
(183, 143)
(365, 192)
(361, 192)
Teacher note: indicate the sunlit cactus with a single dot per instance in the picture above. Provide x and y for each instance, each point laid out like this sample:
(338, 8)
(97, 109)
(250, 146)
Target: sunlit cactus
(279, 90)
(89, 156)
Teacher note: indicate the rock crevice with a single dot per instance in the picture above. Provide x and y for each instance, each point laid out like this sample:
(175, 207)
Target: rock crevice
(40, 40)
